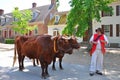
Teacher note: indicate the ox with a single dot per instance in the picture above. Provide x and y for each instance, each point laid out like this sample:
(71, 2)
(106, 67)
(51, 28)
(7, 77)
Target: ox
(43, 48)
(74, 44)
(19, 40)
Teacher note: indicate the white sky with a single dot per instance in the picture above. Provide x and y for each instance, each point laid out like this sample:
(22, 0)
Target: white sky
(8, 5)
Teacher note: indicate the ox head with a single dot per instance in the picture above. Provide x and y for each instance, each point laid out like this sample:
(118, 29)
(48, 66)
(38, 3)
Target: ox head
(62, 45)
(73, 42)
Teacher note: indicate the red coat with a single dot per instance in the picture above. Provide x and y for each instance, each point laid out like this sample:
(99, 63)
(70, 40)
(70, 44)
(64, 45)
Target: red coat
(94, 45)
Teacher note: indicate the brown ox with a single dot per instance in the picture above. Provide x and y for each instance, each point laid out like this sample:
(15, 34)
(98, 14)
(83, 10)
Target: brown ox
(44, 48)
(19, 40)
(74, 44)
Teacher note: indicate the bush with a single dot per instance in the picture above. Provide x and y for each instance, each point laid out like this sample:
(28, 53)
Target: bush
(9, 41)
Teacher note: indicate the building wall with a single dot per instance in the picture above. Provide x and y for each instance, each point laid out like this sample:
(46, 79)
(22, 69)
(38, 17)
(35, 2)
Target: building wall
(107, 20)
(52, 27)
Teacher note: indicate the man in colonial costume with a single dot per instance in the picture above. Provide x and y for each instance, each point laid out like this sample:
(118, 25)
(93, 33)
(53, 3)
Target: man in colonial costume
(98, 42)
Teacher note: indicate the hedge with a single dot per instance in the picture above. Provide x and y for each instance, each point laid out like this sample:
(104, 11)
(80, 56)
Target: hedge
(9, 41)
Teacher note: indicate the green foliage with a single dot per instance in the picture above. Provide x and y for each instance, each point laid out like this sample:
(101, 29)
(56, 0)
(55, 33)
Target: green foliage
(82, 13)
(21, 25)
(9, 41)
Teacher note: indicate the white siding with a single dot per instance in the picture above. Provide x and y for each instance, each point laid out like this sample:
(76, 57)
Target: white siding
(110, 20)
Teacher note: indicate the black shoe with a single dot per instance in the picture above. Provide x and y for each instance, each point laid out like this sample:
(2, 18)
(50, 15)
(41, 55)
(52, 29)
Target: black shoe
(100, 73)
(91, 74)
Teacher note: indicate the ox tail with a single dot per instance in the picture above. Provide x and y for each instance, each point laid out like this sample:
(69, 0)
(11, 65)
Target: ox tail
(14, 58)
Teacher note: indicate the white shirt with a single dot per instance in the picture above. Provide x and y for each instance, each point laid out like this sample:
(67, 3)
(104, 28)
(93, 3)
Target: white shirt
(98, 42)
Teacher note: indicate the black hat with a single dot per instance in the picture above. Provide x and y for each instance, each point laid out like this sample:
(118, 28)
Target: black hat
(100, 29)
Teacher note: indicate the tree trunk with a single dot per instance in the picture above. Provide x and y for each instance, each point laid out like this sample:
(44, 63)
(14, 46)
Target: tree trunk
(90, 30)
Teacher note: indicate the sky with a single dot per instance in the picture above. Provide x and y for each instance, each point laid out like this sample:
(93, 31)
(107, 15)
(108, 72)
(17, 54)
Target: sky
(8, 5)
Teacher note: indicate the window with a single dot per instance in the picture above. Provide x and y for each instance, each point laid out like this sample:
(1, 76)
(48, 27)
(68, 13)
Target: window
(51, 16)
(117, 10)
(10, 33)
(56, 32)
(34, 16)
(106, 13)
(15, 19)
(2, 20)
(15, 32)
(117, 30)
(5, 34)
(57, 18)
(108, 30)
(7, 18)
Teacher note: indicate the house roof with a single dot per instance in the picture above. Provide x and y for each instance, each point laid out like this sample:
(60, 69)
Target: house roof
(62, 20)
(42, 10)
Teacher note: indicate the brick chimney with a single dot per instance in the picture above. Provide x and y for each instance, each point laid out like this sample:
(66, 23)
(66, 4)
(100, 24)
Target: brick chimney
(1, 12)
(53, 1)
(34, 5)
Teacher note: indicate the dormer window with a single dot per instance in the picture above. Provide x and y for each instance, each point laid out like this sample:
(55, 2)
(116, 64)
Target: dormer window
(57, 18)
(51, 16)
(35, 14)
(7, 18)
(2, 20)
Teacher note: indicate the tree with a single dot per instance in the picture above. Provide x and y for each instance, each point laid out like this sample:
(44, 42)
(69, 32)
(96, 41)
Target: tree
(82, 14)
(21, 22)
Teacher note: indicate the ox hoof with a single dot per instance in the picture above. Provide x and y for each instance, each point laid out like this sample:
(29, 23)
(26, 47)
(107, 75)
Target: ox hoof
(61, 68)
(21, 69)
(43, 77)
(34, 65)
(53, 69)
(47, 75)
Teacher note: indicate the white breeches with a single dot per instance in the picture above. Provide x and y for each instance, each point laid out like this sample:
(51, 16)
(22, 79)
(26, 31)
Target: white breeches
(96, 61)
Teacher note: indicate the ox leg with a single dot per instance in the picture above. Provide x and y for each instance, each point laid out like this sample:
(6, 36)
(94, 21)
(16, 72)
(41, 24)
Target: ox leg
(20, 62)
(34, 62)
(37, 61)
(43, 69)
(23, 62)
(60, 63)
(53, 66)
(46, 70)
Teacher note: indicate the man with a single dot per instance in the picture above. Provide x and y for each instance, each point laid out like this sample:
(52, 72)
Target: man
(98, 42)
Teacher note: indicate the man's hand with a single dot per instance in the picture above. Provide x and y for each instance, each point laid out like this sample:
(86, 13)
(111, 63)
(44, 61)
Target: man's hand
(93, 42)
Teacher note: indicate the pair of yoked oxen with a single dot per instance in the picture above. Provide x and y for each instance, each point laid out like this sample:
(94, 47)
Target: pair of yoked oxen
(45, 49)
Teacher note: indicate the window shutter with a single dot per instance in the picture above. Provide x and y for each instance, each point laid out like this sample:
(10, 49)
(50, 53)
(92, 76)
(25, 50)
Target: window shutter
(111, 30)
(117, 30)
(117, 10)
(103, 28)
(102, 13)
(110, 12)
